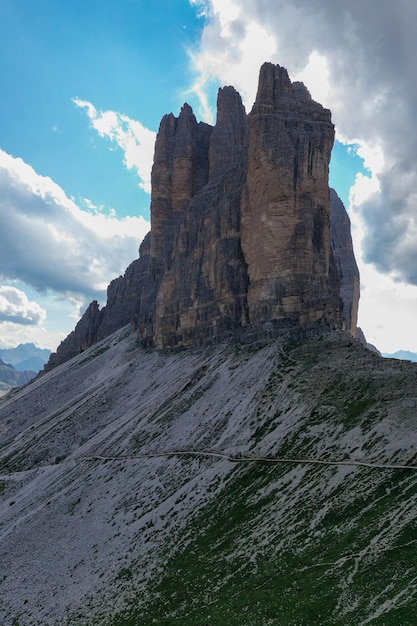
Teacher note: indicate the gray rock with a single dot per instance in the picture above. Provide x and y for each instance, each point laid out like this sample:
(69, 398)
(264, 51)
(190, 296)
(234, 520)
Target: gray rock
(346, 262)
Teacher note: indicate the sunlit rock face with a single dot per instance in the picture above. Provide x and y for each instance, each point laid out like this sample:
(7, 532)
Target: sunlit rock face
(285, 212)
(241, 244)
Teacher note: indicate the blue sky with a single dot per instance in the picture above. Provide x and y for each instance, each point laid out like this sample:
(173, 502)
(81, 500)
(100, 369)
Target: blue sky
(84, 86)
(125, 56)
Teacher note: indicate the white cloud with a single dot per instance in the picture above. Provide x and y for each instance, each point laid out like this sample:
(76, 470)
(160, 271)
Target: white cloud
(231, 51)
(15, 307)
(203, 7)
(316, 75)
(387, 305)
(51, 244)
(135, 140)
(387, 311)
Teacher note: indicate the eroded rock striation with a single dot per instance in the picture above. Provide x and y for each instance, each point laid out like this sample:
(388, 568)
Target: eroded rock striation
(241, 244)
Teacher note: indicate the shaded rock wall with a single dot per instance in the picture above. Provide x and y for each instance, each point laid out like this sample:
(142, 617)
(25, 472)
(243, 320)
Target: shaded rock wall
(346, 262)
(82, 337)
(198, 265)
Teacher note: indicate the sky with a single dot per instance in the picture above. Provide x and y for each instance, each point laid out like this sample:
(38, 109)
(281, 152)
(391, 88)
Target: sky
(85, 84)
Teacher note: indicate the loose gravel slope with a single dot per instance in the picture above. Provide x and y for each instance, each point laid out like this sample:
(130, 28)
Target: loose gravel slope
(239, 485)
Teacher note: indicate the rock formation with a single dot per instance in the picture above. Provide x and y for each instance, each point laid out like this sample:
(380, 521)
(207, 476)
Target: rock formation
(346, 262)
(240, 244)
(83, 336)
(285, 210)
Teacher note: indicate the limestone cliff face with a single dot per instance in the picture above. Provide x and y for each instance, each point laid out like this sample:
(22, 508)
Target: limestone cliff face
(240, 244)
(285, 212)
(198, 272)
(346, 262)
(179, 171)
(250, 250)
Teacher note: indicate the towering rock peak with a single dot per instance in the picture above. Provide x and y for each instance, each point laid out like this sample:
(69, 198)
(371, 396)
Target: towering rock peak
(277, 94)
(179, 170)
(185, 132)
(285, 210)
(186, 113)
(274, 85)
(230, 134)
(241, 244)
(229, 103)
(301, 92)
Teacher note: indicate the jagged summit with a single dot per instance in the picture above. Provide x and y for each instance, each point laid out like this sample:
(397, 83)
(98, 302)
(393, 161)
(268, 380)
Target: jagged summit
(240, 244)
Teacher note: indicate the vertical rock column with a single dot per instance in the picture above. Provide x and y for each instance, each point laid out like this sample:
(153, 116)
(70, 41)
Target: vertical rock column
(202, 292)
(179, 170)
(285, 211)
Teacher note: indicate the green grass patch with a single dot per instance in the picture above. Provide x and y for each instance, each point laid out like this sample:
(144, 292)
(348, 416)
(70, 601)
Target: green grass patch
(235, 569)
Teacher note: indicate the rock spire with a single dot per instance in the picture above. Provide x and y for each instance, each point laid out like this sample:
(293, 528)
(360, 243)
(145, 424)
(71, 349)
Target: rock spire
(241, 243)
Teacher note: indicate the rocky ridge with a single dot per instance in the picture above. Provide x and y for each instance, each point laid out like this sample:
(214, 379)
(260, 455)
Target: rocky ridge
(241, 244)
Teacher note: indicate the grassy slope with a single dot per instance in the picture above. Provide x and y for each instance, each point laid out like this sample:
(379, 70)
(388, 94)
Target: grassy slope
(300, 544)
(201, 540)
(251, 561)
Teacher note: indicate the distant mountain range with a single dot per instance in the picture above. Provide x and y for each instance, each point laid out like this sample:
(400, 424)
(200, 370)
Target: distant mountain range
(19, 365)
(25, 357)
(404, 355)
(10, 377)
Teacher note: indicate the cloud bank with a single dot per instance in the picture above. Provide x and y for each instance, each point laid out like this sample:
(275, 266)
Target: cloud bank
(16, 308)
(135, 140)
(49, 243)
